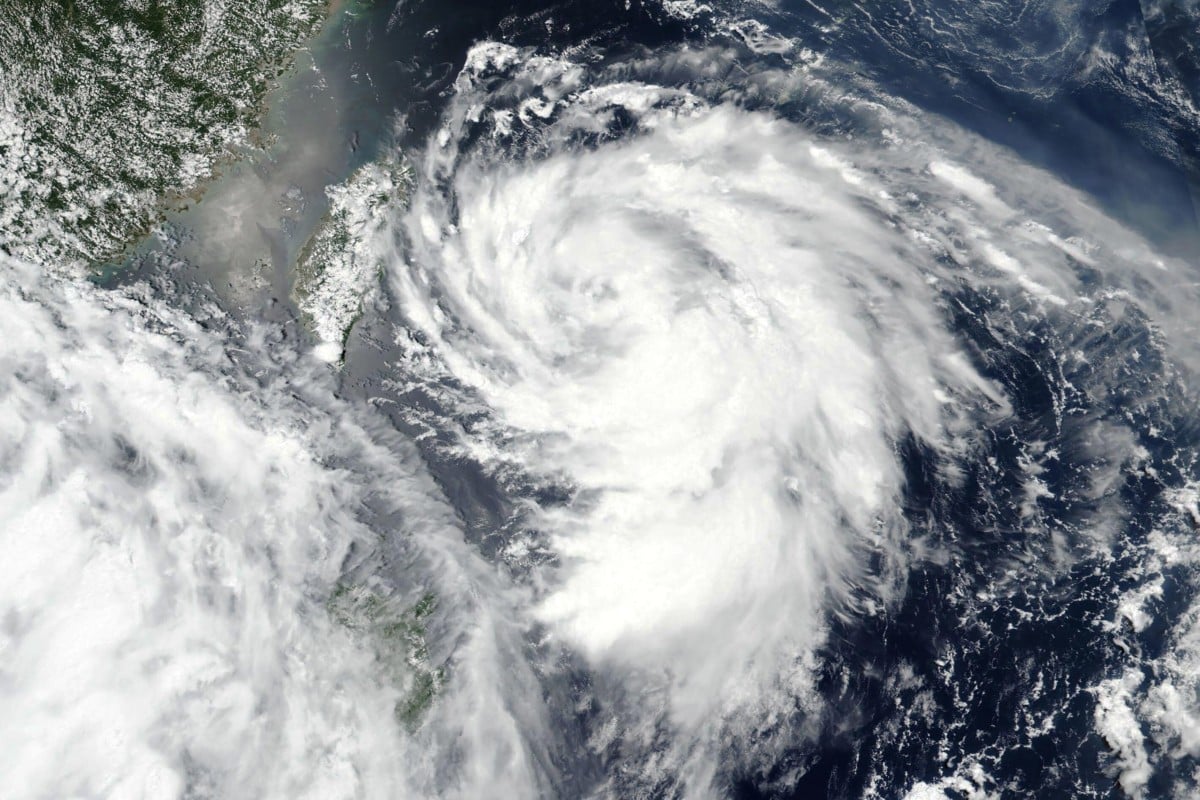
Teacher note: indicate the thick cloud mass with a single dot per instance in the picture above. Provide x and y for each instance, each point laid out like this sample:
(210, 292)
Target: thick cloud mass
(168, 544)
(745, 354)
(720, 331)
(720, 347)
(176, 527)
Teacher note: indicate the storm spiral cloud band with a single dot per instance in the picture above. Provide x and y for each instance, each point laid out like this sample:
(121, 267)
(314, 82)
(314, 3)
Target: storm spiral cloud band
(603, 400)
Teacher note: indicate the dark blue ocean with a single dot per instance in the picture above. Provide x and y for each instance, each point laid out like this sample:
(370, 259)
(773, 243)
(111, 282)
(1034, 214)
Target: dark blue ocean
(998, 666)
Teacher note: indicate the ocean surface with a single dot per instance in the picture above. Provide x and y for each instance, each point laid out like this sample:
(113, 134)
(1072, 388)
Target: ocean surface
(633, 400)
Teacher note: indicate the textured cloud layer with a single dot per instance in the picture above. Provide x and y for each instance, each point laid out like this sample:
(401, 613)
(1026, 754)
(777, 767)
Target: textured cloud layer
(719, 329)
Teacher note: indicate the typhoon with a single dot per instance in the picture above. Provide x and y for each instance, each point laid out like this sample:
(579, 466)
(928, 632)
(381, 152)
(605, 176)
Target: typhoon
(613, 401)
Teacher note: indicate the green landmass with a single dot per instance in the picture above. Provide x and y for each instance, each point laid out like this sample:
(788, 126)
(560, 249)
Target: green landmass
(399, 638)
(111, 108)
(341, 264)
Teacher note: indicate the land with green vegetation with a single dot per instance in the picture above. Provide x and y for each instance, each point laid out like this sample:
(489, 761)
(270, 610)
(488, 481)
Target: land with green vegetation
(398, 637)
(341, 263)
(112, 109)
